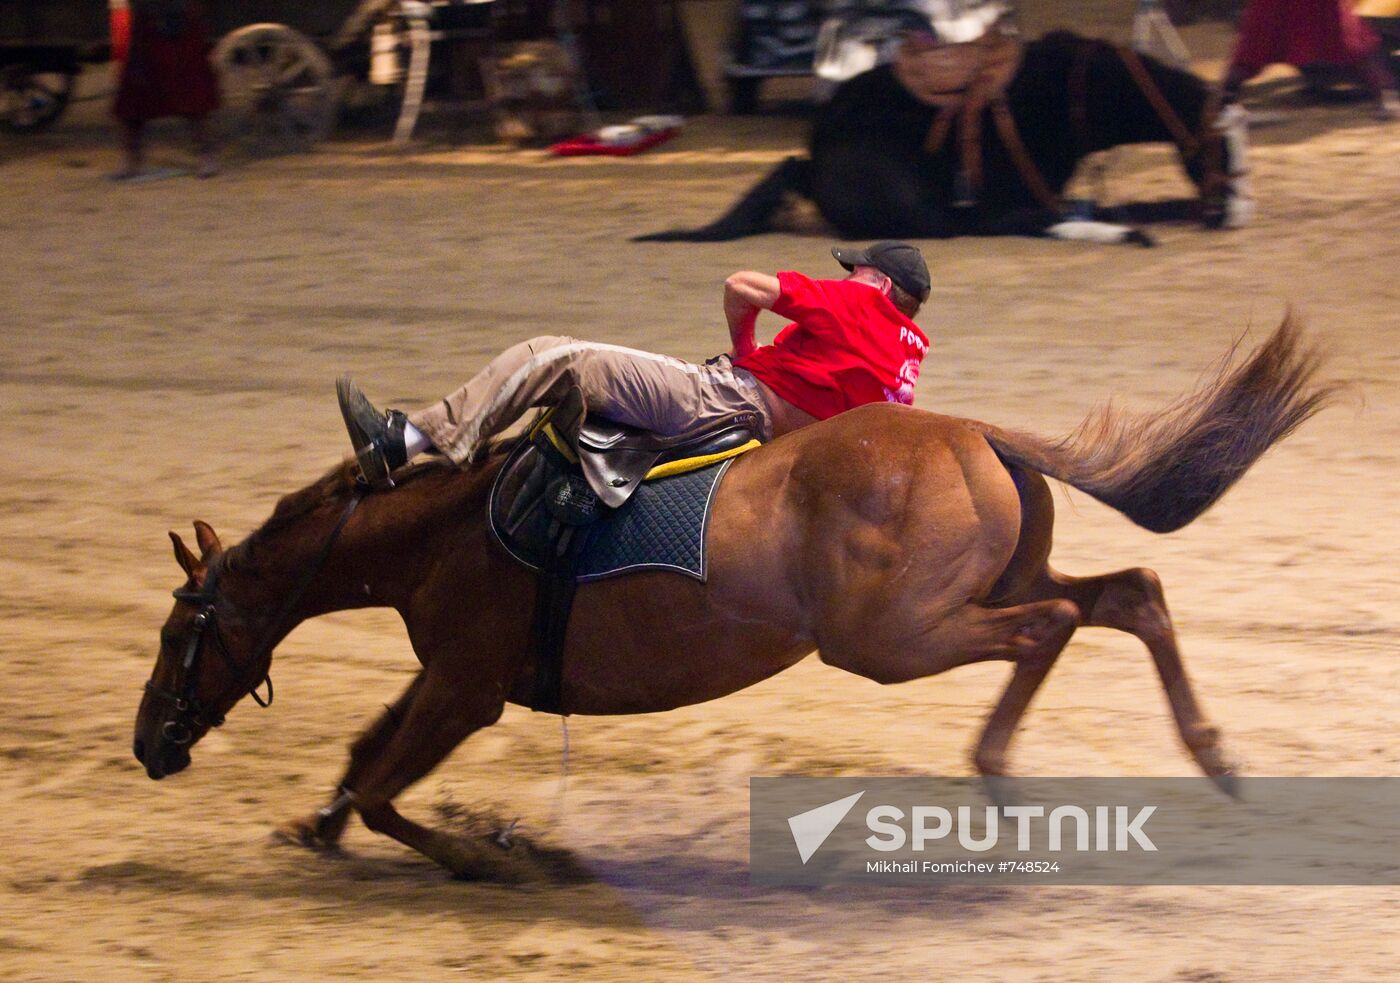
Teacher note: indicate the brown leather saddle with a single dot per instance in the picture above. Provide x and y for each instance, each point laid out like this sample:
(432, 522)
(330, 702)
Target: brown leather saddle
(567, 471)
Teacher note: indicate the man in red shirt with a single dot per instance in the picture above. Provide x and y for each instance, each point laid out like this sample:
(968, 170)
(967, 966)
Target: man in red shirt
(851, 342)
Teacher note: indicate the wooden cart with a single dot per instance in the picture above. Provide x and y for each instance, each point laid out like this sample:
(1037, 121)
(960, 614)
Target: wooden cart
(282, 64)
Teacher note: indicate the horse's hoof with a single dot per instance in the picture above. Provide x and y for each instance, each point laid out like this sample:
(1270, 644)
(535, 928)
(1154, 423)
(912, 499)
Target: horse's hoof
(989, 764)
(999, 790)
(303, 833)
(465, 861)
(1229, 783)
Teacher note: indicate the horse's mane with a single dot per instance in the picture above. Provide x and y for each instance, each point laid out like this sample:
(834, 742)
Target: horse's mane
(334, 484)
(333, 487)
(292, 506)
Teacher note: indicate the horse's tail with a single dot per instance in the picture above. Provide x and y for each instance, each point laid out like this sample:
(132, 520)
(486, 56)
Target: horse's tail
(1164, 469)
(751, 215)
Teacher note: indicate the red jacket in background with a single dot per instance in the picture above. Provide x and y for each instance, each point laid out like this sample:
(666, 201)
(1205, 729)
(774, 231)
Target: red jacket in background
(1302, 33)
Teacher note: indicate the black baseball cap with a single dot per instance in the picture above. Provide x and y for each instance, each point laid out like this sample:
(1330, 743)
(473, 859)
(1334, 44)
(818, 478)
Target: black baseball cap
(899, 261)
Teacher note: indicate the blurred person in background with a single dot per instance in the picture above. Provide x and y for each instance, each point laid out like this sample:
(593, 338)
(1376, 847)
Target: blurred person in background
(166, 72)
(1315, 36)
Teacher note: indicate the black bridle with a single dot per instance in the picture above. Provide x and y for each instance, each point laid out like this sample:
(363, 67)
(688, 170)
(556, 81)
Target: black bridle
(191, 712)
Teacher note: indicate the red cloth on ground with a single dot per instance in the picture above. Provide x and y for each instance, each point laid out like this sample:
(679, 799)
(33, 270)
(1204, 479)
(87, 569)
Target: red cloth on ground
(847, 346)
(587, 145)
(1301, 33)
(167, 76)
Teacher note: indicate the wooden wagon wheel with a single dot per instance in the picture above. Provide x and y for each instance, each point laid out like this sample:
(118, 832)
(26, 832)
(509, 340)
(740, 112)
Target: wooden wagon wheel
(31, 99)
(277, 86)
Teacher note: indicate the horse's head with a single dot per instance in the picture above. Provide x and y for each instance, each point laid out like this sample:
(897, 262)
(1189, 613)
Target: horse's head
(209, 659)
(1167, 102)
(1213, 139)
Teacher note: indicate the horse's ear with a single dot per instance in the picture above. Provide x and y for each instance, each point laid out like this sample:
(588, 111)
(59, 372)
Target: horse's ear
(207, 539)
(187, 560)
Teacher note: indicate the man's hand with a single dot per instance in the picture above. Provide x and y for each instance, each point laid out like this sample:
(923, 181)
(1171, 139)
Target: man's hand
(745, 294)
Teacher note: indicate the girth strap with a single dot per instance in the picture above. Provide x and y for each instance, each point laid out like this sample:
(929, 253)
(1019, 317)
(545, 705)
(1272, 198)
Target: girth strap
(938, 131)
(553, 604)
(574, 508)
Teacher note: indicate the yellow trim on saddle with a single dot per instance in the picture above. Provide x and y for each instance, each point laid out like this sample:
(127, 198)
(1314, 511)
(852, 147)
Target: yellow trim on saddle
(668, 470)
(688, 464)
(539, 421)
(560, 444)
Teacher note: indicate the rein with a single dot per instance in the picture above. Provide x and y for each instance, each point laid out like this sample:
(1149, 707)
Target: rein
(1205, 143)
(190, 710)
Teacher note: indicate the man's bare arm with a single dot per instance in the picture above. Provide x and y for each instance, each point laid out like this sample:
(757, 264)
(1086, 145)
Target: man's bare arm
(745, 294)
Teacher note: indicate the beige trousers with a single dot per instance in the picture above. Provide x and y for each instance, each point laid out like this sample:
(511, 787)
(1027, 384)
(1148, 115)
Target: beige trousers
(659, 393)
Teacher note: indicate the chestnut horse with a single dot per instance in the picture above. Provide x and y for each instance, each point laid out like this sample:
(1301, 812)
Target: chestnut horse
(898, 543)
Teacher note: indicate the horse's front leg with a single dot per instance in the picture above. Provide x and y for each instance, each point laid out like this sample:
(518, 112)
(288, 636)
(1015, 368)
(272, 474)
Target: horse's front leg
(441, 713)
(323, 829)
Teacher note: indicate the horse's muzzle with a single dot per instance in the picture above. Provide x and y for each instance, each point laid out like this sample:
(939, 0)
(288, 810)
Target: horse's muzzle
(164, 758)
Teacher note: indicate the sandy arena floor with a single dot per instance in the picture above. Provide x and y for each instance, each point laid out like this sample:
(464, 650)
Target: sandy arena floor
(170, 351)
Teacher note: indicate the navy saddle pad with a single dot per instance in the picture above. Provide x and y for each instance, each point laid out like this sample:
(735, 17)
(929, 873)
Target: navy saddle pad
(662, 527)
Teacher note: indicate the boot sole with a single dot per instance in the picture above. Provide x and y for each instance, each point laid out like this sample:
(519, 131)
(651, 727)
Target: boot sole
(352, 405)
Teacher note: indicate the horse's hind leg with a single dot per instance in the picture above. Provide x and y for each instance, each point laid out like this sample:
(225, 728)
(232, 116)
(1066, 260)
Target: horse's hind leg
(1132, 601)
(323, 828)
(1031, 636)
(753, 213)
(1027, 674)
(1035, 645)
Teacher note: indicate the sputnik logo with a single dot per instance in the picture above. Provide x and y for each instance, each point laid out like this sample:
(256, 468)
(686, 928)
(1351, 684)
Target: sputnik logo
(811, 828)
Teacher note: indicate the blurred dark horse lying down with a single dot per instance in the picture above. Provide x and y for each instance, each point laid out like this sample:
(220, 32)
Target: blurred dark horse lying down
(883, 164)
(898, 543)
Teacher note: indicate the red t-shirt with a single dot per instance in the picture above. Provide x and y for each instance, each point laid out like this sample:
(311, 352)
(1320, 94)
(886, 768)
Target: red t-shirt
(847, 346)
